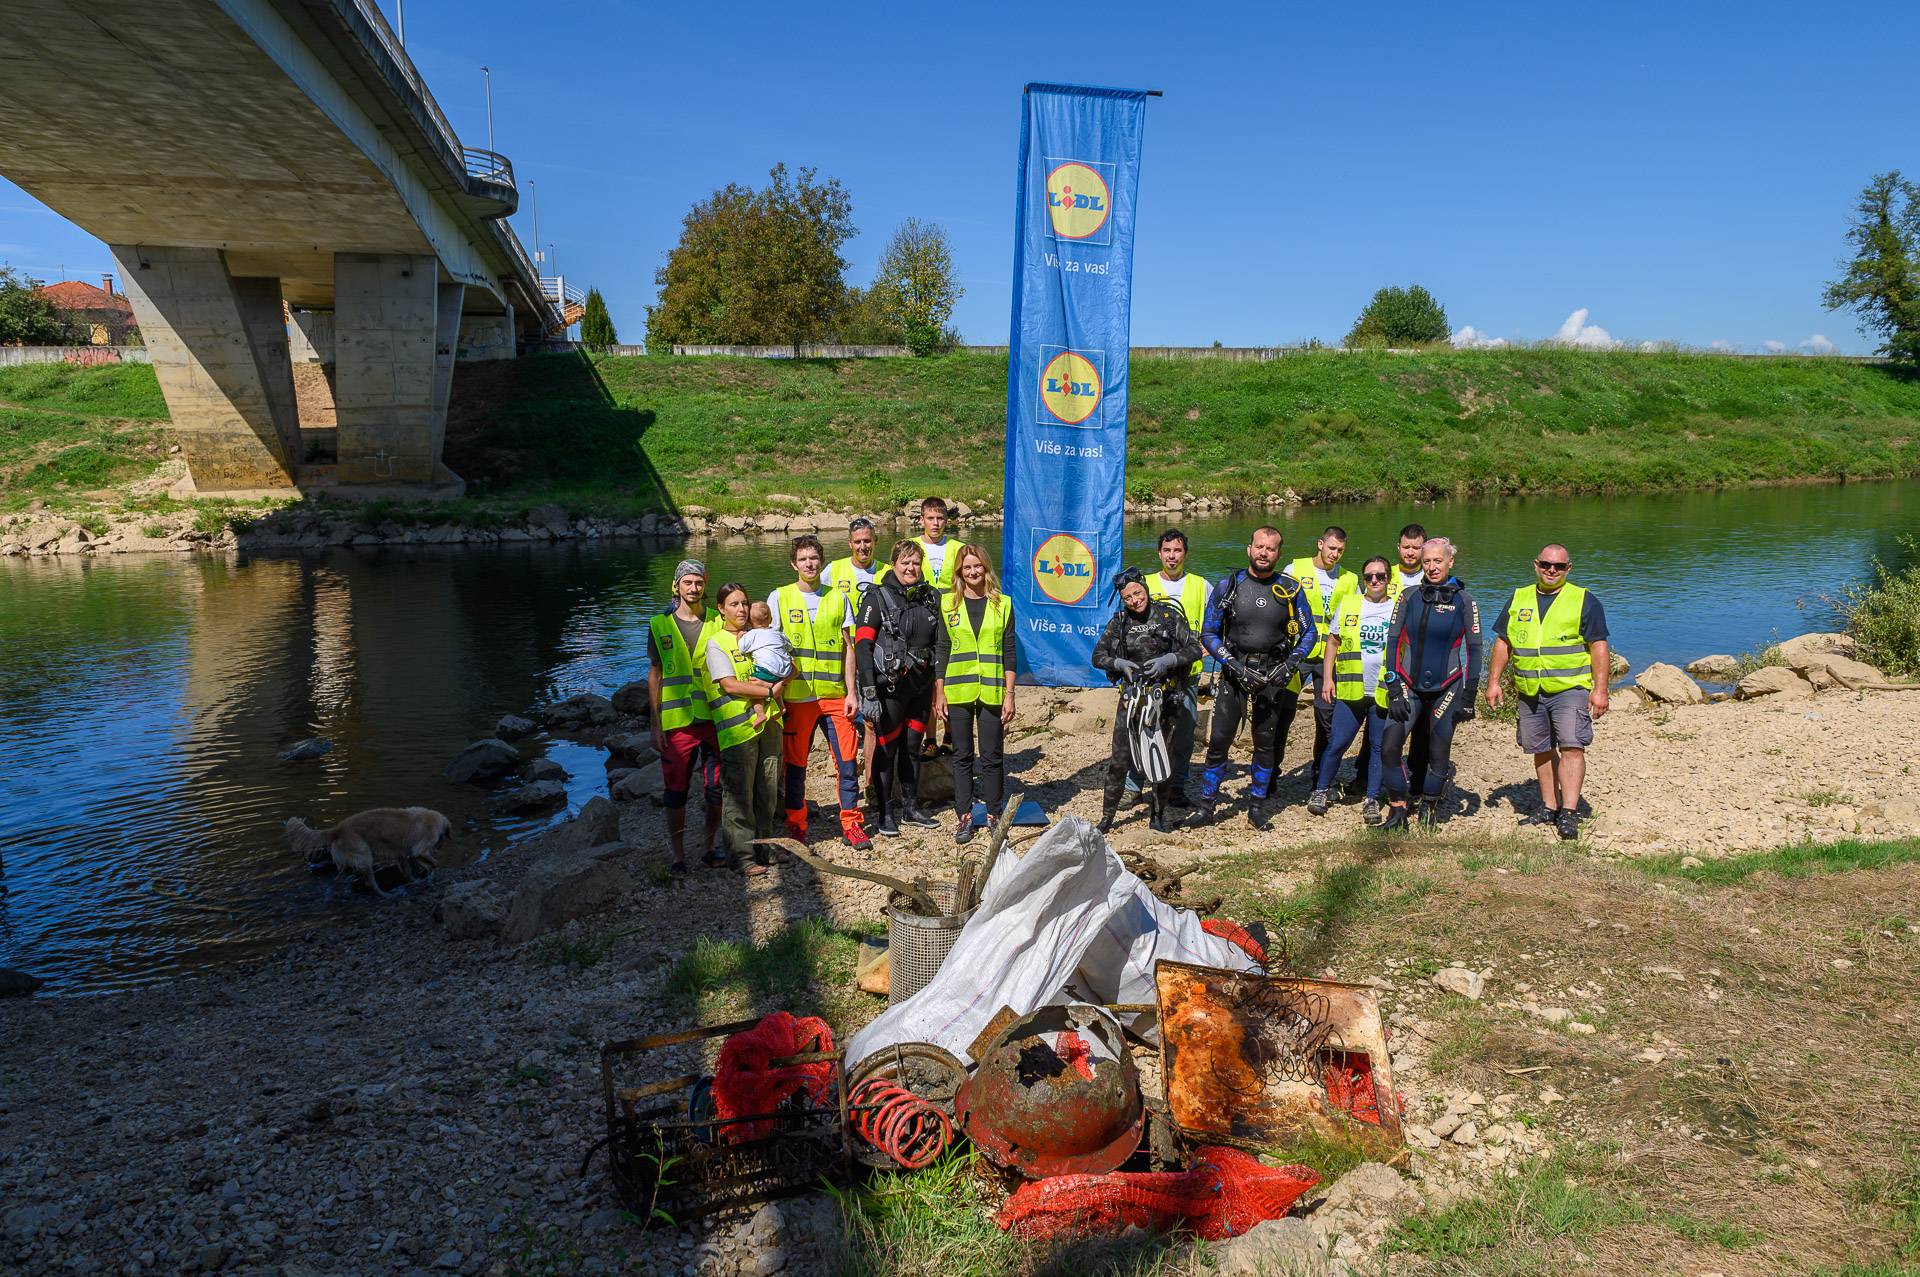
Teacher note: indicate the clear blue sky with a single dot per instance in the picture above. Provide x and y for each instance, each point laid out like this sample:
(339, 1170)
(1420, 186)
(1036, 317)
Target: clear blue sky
(1682, 171)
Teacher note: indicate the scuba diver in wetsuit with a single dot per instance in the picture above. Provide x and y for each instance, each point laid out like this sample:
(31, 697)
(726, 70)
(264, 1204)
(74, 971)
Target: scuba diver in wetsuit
(1433, 673)
(1260, 628)
(895, 631)
(1148, 648)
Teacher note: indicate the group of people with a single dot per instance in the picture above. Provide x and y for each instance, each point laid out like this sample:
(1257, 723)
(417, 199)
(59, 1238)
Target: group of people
(1390, 655)
(871, 656)
(878, 657)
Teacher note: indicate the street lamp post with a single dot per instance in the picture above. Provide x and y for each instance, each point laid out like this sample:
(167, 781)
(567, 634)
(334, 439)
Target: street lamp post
(400, 10)
(487, 75)
(533, 192)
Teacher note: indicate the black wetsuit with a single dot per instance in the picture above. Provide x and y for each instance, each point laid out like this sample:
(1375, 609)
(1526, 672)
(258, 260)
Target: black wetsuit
(905, 699)
(1160, 630)
(1258, 625)
(1433, 649)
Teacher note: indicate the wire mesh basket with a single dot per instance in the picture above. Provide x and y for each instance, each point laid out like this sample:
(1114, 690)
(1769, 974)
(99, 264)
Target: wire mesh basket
(917, 944)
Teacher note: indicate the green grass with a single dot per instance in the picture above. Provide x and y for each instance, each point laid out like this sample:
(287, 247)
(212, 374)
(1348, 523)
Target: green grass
(1884, 616)
(620, 434)
(806, 969)
(1522, 1224)
(1797, 861)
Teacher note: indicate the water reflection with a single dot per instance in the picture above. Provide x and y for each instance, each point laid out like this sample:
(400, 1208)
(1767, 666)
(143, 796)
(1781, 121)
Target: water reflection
(143, 701)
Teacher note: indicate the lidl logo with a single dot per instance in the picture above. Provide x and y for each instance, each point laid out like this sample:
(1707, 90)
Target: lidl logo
(1078, 200)
(796, 616)
(1525, 614)
(1063, 568)
(1070, 386)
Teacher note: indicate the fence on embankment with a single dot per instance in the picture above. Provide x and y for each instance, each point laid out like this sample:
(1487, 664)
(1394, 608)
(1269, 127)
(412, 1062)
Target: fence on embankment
(12, 355)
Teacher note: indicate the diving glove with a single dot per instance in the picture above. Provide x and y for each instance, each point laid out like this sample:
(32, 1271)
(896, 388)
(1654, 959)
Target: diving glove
(870, 706)
(1464, 710)
(1238, 671)
(1125, 669)
(1162, 667)
(1399, 709)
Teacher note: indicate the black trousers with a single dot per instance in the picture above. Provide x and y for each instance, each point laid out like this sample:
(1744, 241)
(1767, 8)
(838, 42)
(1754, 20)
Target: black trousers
(1272, 708)
(1121, 763)
(984, 769)
(1428, 737)
(897, 739)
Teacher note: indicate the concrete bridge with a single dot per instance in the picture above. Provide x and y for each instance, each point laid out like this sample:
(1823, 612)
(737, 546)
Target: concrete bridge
(249, 162)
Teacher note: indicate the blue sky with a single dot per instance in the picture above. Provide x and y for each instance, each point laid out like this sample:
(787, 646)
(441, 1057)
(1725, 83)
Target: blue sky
(1683, 172)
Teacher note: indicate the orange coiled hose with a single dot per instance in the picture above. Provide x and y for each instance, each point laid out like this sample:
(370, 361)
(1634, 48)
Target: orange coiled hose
(908, 1129)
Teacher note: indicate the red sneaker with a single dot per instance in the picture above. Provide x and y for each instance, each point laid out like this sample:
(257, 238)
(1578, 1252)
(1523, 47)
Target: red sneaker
(855, 832)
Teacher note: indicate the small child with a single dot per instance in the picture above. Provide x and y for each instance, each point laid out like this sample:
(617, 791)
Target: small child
(771, 652)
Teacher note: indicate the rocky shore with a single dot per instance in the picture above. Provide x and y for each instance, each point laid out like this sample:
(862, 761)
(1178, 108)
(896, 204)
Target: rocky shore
(39, 533)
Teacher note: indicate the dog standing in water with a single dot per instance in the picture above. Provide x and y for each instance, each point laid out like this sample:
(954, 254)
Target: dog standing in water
(386, 837)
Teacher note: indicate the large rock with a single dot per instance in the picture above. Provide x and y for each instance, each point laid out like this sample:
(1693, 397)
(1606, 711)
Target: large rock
(1795, 651)
(583, 710)
(1773, 680)
(551, 517)
(1718, 668)
(631, 699)
(1468, 984)
(1372, 1189)
(483, 761)
(1288, 1246)
(543, 769)
(632, 749)
(17, 984)
(1618, 666)
(562, 886)
(513, 727)
(469, 910)
(1844, 670)
(637, 783)
(541, 795)
(1669, 683)
(596, 824)
(1628, 699)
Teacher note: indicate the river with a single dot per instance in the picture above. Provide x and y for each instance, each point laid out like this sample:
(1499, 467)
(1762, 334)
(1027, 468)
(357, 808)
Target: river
(144, 699)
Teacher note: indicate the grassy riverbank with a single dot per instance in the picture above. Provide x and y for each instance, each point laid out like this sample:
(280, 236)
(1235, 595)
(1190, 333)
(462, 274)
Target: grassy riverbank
(614, 434)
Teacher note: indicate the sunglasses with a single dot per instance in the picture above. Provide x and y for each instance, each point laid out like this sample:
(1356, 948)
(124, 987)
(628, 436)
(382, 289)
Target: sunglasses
(1373, 576)
(1550, 565)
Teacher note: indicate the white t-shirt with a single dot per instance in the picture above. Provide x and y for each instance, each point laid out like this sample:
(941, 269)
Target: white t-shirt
(1409, 579)
(1174, 590)
(1329, 577)
(934, 556)
(1374, 620)
(855, 586)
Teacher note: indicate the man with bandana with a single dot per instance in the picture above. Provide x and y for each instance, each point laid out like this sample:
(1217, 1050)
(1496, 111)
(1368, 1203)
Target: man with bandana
(682, 724)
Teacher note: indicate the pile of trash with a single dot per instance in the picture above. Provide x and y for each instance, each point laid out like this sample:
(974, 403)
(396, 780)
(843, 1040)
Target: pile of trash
(1055, 968)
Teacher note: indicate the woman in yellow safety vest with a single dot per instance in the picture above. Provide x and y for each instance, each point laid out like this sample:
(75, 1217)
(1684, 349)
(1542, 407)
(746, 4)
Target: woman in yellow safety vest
(1350, 686)
(749, 751)
(973, 656)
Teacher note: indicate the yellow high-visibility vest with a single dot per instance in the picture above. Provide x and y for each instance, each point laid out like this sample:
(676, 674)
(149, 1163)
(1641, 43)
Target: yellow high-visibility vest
(1192, 601)
(683, 700)
(733, 715)
(975, 672)
(819, 642)
(1549, 657)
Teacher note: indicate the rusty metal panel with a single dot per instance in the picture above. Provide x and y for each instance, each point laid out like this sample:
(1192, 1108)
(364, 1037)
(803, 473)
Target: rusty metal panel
(1259, 1061)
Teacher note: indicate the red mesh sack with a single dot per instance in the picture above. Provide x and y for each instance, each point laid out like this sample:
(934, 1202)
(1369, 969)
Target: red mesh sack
(1349, 1080)
(1235, 934)
(746, 1083)
(1223, 1195)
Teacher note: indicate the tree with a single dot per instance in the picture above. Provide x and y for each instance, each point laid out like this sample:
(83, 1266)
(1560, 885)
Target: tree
(865, 320)
(757, 267)
(596, 326)
(1400, 317)
(1882, 282)
(27, 318)
(915, 285)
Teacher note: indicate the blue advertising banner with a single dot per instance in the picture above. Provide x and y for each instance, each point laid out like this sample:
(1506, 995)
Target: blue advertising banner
(1067, 370)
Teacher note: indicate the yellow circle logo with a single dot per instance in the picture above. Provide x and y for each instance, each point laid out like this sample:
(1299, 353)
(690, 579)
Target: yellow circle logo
(1064, 568)
(1077, 200)
(1070, 387)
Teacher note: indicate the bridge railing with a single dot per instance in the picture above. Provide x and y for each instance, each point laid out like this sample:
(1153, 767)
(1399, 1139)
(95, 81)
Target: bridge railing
(488, 166)
(555, 289)
(410, 73)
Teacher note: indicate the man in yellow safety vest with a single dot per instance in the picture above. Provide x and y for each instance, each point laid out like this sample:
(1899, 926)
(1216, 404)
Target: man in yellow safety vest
(1555, 634)
(682, 723)
(817, 618)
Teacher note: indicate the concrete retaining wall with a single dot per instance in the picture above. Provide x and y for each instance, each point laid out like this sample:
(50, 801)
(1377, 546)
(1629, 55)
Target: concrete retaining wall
(10, 355)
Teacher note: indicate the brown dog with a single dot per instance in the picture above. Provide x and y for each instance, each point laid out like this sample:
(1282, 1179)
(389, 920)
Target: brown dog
(385, 837)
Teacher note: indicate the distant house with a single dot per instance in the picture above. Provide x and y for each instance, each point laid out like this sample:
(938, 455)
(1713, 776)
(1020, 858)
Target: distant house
(100, 315)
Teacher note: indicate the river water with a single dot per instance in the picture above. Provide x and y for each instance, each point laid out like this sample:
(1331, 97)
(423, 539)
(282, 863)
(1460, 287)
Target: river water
(143, 700)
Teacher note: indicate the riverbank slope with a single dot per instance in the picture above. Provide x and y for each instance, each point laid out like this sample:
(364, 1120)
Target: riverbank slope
(618, 435)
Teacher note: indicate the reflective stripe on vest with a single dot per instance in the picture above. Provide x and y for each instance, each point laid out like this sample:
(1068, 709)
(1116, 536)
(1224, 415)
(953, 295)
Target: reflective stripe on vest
(1192, 601)
(733, 715)
(1349, 666)
(819, 643)
(683, 699)
(975, 669)
(1551, 657)
(1344, 584)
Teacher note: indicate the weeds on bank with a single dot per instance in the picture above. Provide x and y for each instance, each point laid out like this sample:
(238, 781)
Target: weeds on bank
(1884, 616)
(1747, 662)
(1797, 861)
(804, 969)
(1522, 1223)
(1897, 1192)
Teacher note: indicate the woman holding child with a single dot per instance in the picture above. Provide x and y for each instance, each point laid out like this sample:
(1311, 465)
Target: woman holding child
(743, 682)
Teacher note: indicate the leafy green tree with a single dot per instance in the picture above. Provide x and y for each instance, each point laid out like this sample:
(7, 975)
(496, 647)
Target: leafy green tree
(757, 267)
(596, 326)
(26, 318)
(1882, 282)
(1400, 317)
(865, 321)
(915, 285)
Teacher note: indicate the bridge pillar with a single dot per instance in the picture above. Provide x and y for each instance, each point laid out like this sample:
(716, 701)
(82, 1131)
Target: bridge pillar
(219, 346)
(395, 328)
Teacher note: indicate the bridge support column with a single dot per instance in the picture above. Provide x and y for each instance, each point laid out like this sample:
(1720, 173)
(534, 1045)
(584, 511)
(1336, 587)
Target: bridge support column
(395, 328)
(219, 346)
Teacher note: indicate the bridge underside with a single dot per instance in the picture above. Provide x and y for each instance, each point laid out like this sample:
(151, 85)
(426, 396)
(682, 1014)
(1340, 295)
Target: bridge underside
(230, 184)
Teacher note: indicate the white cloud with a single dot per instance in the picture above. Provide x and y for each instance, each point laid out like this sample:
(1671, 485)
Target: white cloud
(1722, 344)
(1774, 347)
(1578, 332)
(1818, 345)
(1471, 338)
